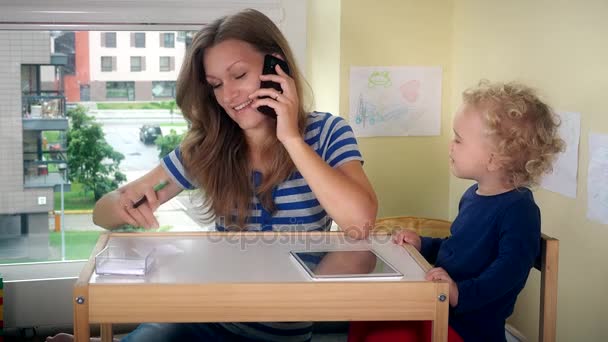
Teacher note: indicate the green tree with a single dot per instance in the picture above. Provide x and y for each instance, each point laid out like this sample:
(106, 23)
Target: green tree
(168, 143)
(91, 160)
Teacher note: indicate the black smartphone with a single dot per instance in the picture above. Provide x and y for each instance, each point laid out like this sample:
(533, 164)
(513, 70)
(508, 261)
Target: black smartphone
(270, 62)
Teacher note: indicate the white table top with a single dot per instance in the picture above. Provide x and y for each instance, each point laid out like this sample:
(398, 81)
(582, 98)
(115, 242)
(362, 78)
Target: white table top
(246, 258)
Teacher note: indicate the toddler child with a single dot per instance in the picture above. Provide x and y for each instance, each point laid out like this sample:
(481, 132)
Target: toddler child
(505, 138)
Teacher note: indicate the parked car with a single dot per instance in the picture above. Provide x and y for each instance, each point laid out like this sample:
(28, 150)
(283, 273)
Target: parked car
(149, 133)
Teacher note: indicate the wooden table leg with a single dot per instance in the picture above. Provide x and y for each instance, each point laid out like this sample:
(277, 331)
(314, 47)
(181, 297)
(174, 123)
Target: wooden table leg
(440, 323)
(82, 332)
(106, 332)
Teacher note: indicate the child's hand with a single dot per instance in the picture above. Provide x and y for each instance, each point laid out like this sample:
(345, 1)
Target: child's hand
(439, 273)
(407, 236)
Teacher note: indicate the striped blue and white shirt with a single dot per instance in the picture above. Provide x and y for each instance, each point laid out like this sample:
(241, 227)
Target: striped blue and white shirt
(297, 208)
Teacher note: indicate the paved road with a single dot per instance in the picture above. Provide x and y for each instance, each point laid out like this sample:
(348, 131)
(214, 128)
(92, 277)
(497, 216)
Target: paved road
(124, 138)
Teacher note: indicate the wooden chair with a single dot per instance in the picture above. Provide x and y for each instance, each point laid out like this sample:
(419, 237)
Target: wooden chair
(547, 264)
(421, 225)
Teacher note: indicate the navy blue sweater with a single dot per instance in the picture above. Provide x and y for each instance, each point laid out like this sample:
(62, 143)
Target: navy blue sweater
(493, 245)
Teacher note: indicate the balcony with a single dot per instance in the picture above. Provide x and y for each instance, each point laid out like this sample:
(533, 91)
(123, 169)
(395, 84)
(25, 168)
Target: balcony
(44, 112)
(45, 173)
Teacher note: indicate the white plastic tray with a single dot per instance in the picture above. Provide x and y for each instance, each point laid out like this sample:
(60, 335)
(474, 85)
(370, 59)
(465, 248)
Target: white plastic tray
(114, 260)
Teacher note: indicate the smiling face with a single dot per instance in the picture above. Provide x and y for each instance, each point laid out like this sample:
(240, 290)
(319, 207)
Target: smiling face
(470, 149)
(232, 69)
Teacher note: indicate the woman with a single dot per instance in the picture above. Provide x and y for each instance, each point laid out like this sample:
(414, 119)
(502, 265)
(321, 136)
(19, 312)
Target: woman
(295, 172)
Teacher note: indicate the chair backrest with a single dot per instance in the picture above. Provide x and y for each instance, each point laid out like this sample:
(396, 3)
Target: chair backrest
(547, 264)
(421, 225)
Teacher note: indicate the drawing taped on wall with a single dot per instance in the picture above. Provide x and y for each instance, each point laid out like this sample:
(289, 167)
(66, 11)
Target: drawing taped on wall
(395, 101)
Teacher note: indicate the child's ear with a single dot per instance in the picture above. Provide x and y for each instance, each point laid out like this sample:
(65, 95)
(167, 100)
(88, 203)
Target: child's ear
(495, 162)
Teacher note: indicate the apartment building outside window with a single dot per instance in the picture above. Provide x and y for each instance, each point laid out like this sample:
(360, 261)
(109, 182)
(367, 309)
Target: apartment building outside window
(49, 87)
(163, 89)
(120, 90)
(108, 63)
(167, 63)
(138, 63)
(108, 39)
(167, 40)
(138, 39)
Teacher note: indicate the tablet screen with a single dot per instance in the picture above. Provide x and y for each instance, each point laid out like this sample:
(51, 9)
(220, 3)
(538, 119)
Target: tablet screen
(345, 264)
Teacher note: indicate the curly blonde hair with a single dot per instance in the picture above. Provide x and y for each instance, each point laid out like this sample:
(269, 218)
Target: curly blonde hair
(523, 128)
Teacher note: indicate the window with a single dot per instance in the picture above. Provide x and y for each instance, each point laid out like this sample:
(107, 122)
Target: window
(108, 39)
(108, 63)
(29, 236)
(163, 89)
(138, 63)
(29, 79)
(138, 39)
(85, 92)
(120, 90)
(33, 170)
(167, 40)
(167, 63)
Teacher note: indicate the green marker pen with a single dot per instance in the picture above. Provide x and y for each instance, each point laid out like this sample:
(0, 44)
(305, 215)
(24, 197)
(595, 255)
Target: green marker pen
(158, 187)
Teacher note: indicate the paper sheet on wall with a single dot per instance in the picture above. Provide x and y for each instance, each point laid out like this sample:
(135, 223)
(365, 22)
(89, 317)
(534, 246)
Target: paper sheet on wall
(395, 101)
(565, 168)
(597, 179)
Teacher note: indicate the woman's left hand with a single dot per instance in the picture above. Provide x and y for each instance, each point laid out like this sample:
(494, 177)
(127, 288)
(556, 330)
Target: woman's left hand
(439, 273)
(285, 104)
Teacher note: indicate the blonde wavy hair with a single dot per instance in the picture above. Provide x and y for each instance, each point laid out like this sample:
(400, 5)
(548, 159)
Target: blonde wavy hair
(214, 151)
(523, 128)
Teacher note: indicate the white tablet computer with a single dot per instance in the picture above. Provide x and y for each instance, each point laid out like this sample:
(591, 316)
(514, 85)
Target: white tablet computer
(353, 265)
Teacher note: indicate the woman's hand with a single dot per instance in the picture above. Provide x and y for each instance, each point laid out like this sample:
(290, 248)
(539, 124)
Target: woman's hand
(116, 208)
(143, 215)
(285, 104)
(407, 236)
(439, 273)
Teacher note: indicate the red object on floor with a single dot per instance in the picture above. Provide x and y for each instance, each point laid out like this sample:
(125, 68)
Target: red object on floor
(410, 331)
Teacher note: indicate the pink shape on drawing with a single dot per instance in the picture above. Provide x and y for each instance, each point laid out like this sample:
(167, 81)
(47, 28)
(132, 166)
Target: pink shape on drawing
(410, 90)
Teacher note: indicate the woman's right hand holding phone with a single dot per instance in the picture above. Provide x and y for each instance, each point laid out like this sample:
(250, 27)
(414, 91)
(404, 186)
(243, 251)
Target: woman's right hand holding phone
(284, 102)
(407, 236)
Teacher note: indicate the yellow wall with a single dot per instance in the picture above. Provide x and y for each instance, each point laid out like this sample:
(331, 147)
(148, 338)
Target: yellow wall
(409, 174)
(561, 48)
(324, 54)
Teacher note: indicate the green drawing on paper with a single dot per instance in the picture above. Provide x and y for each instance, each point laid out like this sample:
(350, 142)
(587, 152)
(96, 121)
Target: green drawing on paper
(379, 78)
(370, 114)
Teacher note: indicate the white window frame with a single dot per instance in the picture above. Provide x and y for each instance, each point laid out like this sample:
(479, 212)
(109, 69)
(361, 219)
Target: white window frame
(151, 15)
